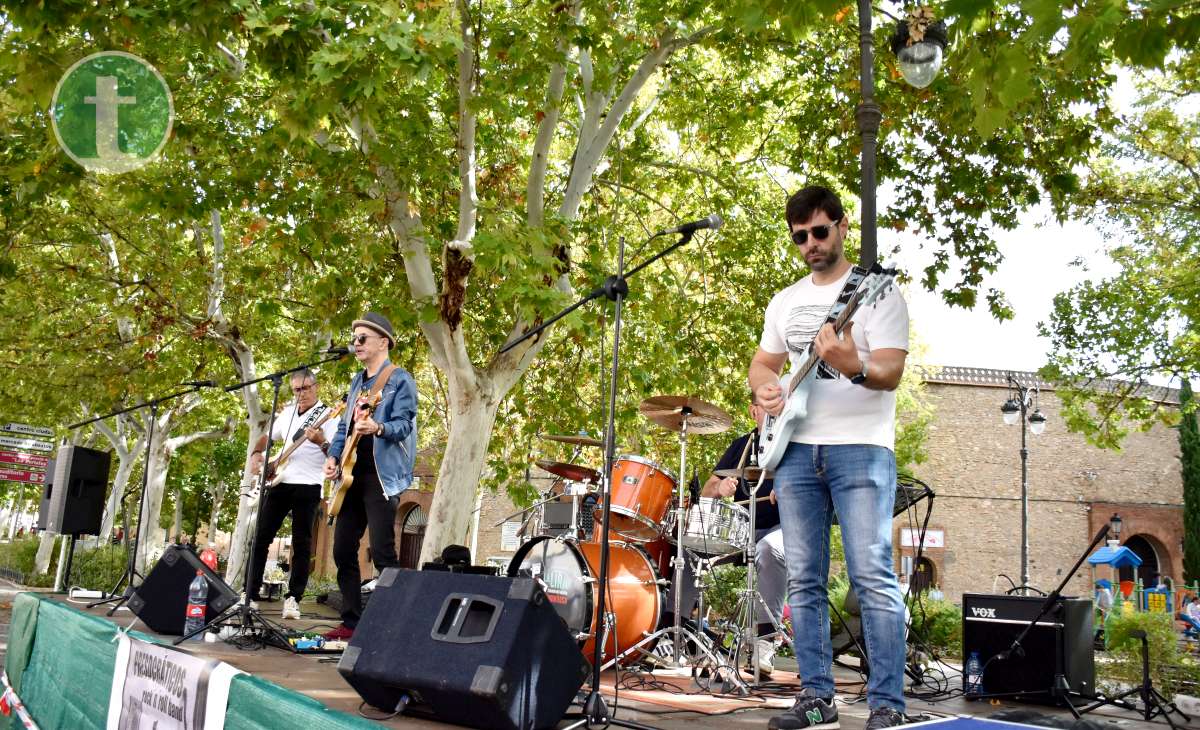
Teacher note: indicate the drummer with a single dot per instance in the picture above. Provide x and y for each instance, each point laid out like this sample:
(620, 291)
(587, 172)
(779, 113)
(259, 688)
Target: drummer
(769, 560)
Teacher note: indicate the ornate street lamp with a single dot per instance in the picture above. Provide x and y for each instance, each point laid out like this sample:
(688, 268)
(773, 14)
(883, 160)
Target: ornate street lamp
(920, 33)
(1020, 399)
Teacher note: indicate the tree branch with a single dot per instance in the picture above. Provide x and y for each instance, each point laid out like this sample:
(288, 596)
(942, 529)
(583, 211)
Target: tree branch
(535, 194)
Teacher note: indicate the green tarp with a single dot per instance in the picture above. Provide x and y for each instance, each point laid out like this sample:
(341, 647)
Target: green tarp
(60, 662)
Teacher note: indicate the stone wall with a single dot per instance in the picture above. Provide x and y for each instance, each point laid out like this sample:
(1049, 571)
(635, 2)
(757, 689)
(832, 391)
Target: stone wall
(974, 468)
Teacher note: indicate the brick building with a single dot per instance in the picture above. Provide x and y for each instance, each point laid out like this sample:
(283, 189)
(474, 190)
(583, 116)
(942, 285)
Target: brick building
(974, 469)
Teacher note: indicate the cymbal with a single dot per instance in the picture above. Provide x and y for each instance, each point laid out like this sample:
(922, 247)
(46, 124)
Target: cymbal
(576, 440)
(572, 472)
(749, 473)
(668, 411)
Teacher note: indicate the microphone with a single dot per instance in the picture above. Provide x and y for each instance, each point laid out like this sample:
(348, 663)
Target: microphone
(332, 350)
(200, 383)
(713, 222)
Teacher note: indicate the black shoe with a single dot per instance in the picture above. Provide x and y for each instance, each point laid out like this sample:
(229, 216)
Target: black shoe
(808, 712)
(884, 717)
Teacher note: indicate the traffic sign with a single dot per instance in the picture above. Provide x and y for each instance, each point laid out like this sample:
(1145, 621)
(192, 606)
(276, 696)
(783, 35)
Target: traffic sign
(20, 475)
(26, 429)
(34, 462)
(26, 443)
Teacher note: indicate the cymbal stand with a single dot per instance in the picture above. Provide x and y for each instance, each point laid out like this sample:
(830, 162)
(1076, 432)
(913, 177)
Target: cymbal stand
(749, 597)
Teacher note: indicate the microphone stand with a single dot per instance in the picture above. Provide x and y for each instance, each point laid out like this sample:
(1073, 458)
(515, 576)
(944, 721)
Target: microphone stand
(615, 288)
(1061, 689)
(131, 572)
(249, 618)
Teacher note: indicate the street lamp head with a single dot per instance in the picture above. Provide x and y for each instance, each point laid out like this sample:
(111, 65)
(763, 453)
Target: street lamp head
(1037, 422)
(1114, 525)
(1011, 410)
(919, 58)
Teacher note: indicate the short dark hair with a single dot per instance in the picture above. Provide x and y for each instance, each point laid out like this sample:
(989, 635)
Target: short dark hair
(804, 203)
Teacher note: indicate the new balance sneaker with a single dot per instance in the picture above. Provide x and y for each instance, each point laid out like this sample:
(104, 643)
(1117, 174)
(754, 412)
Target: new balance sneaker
(291, 608)
(341, 633)
(808, 712)
(884, 717)
(766, 656)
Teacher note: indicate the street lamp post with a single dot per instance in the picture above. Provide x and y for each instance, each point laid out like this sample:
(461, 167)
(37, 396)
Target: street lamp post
(918, 43)
(1020, 399)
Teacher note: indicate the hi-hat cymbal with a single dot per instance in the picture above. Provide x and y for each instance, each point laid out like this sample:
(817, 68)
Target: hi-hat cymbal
(575, 440)
(749, 473)
(668, 411)
(571, 472)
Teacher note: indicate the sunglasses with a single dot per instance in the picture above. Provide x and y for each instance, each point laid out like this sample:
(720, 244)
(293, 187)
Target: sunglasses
(361, 339)
(819, 233)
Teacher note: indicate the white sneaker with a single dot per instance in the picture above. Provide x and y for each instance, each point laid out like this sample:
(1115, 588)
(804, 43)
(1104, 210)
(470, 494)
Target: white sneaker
(291, 608)
(766, 656)
(242, 602)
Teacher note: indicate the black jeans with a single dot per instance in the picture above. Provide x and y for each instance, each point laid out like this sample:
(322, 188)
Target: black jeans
(364, 508)
(301, 500)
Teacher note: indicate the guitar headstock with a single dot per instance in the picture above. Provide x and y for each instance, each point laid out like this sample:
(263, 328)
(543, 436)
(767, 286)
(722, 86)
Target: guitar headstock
(877, 284)
(337, 410)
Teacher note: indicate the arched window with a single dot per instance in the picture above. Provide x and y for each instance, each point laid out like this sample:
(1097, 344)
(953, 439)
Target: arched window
(1149, 567)
(412, 533)
(924, 575)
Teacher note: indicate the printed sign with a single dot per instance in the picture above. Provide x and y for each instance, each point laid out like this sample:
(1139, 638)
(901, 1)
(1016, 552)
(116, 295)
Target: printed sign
(933, 538)
(510, 539)
(20, 475)
(162, 688)
(34, 462)
(26, 429)
(26, 443)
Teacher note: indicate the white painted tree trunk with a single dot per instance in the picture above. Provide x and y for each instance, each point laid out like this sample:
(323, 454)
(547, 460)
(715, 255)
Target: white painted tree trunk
(177, 518)
(472, 417)
(120, 485)
(158, 462)
(239, 543)
(41, 562)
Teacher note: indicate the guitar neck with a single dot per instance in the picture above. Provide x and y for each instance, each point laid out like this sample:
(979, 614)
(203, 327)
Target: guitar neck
(839, 324)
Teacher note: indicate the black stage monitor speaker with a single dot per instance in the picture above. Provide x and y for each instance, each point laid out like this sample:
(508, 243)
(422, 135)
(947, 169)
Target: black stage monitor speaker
(991, 623)
(75, 497)
(161, 600)
(477, 650)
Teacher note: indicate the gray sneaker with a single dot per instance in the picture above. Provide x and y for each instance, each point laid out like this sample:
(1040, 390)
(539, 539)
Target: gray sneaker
(808, 712)
(884, 717)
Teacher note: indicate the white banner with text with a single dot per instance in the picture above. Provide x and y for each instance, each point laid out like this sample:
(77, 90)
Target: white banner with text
(159, 687)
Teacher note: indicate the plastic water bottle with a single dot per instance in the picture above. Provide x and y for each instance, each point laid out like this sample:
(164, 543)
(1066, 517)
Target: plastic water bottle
(974, 672)
(209, 557)
(196, 605)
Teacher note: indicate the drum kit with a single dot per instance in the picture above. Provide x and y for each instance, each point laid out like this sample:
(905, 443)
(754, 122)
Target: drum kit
(655, 529)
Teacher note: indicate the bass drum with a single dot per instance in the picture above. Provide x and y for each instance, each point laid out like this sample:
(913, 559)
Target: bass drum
(569, 572)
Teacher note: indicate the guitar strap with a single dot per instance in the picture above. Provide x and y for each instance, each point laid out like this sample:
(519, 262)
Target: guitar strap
(314, 413)
(857, 274)
(381, 379)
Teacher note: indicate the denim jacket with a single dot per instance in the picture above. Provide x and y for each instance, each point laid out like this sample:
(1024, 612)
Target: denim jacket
(396, 446)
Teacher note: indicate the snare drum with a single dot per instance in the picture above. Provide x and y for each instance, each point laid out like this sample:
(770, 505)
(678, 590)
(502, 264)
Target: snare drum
(713, 527)
(568, 572)
(641, 496)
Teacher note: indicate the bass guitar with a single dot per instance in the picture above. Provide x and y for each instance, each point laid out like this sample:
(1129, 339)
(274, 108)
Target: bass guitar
(777, 430)
(340, 485)
(275, 468)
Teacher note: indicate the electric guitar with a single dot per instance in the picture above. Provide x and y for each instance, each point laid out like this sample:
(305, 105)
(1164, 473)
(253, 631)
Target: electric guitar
(275, 468)
(777, 430)
(340, 484)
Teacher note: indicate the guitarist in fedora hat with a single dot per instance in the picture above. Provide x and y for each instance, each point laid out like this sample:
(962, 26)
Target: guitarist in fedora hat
(839, 456)
(385, 454)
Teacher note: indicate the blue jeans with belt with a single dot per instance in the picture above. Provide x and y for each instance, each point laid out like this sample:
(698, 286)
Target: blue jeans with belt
(859, 481)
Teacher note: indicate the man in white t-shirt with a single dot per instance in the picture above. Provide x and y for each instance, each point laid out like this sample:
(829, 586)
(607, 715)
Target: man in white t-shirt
(840, 458)
(300, 490)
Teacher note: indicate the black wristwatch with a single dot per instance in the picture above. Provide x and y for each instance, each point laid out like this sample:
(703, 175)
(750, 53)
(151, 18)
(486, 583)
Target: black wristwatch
(861, 377)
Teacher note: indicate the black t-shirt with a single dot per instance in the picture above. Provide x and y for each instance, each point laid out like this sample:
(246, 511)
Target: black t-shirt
(768, 514)
(364, 459)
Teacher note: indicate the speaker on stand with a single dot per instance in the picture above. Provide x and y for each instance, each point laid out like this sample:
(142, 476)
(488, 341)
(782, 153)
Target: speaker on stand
(72, 501)
(161, 599)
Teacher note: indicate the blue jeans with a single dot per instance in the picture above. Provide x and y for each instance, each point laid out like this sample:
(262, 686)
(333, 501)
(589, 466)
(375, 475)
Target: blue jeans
(859, 481)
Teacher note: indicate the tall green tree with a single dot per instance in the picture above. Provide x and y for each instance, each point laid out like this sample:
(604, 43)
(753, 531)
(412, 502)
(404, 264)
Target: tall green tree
(1189, 455)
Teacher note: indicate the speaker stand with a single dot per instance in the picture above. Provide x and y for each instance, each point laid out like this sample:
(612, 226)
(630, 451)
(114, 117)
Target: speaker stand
(131, 572)
(1153, 703)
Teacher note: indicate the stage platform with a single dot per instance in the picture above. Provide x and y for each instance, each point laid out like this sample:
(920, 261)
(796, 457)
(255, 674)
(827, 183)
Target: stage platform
(285, 689)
